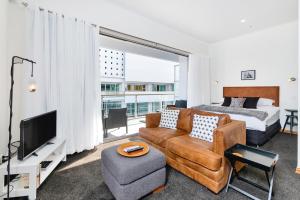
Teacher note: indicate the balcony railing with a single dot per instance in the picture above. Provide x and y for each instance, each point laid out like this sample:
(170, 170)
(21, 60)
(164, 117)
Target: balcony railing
(137, 103)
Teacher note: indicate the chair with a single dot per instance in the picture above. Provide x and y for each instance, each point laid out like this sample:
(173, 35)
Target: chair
(181, 104)
(116, 118)
(178, 104)
(290, 119)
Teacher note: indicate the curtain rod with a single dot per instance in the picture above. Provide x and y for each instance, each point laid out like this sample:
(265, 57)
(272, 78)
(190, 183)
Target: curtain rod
(122, 36)
(26, 4)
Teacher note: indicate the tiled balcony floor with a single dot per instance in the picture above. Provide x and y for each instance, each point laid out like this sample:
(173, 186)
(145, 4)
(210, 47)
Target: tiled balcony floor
(120, 133)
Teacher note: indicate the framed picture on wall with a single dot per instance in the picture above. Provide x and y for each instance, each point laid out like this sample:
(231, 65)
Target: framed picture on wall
(248, 75)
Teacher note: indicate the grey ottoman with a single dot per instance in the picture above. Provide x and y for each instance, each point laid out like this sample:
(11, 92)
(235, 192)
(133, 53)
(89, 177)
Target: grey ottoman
(133, 178)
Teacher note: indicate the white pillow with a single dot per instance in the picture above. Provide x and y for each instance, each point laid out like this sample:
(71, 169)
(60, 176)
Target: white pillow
(237, 102)
(204, 126)
(265, 102)
(169, 118)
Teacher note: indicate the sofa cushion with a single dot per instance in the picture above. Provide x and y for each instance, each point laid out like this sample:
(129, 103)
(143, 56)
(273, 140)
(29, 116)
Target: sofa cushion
(152, 120)
(195, 150)
(184, 120)
(204, 126)
(180, 161)
(159, 136)
(169, 118)
(223, 118)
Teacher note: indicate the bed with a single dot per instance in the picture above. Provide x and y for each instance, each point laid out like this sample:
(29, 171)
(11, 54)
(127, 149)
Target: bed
(258, 131)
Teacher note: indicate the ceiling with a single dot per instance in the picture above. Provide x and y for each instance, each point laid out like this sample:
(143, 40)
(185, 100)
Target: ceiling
(215, 20)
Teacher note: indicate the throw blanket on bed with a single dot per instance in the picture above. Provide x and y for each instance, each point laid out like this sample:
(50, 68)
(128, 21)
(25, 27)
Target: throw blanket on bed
(261, 115)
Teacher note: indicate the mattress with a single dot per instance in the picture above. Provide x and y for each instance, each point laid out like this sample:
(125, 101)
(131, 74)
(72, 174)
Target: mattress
(252, 123)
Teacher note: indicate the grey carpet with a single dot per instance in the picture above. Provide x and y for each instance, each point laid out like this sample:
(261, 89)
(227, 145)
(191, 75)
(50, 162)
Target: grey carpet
(85, 181)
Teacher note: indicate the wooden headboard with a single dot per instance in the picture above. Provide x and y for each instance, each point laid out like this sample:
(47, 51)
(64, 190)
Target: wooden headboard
(270, 92)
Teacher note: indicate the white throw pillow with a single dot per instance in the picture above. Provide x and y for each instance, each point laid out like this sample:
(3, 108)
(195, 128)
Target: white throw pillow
(265, 102)
(237, 102)
(169, 118)
(204, 126)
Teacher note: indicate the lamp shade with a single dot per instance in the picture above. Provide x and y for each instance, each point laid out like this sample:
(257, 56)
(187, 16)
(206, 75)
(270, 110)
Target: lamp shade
(32, 87)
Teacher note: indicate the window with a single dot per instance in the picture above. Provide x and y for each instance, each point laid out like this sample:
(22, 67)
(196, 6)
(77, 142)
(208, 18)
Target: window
(131, 87)
(102, 87)
(110, 87)
(106, 105)
(156, 106)
(142, 108)
(130, 109)
(163, 88)
(107, 87)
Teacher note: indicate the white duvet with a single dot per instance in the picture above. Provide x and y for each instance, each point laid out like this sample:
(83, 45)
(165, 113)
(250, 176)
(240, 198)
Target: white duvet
(253, 123)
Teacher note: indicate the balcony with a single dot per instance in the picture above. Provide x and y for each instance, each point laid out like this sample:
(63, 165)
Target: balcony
(120, 133)
(138, 104)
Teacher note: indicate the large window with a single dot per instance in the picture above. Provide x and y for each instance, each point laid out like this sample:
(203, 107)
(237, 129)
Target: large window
(140, 80)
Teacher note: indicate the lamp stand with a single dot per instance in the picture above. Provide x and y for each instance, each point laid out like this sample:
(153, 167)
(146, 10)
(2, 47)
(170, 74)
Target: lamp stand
(15, 60)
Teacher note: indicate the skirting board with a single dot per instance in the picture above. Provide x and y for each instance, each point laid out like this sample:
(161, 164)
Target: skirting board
(288, 132)
(298, 170)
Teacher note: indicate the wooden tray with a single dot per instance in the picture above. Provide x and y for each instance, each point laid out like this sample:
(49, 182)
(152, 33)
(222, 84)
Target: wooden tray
(142, 152)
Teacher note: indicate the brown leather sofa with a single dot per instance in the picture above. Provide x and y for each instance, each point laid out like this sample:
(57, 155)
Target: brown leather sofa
(200, 160)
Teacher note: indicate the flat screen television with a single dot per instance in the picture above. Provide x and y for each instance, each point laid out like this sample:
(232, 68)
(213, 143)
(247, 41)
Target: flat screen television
(35, 132)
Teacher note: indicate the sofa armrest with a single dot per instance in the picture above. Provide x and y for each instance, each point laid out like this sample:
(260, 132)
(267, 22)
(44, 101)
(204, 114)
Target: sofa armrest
(228, 135)
(152, 120)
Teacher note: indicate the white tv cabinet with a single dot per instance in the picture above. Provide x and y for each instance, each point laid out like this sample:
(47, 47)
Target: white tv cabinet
(32, 176)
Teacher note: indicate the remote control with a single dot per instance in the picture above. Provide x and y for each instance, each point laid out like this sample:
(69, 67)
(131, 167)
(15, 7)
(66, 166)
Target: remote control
(133, 148)
(45, 164)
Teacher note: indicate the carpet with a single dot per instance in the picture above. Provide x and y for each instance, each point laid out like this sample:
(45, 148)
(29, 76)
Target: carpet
(80, 178)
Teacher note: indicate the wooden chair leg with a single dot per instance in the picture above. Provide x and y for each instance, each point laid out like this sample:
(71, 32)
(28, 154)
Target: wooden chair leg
(159, 189)
(286, 121)
(291, 125)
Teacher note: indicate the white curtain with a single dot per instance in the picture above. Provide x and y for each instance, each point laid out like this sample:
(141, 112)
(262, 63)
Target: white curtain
(67, 76)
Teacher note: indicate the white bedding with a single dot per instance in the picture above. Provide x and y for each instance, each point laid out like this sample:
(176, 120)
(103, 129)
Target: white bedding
(253, 123)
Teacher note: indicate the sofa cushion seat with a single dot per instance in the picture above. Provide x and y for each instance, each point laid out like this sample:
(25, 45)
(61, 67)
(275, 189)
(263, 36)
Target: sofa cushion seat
(195, 150)
(180, 161)
(159, 136)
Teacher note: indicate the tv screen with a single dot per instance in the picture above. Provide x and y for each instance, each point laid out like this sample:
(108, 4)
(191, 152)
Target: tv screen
(35, 132)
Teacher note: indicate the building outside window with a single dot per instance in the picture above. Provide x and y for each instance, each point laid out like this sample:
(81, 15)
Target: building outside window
(130, 109)
(102, 87)
(156, 106)
(132, 87)
(141, 91)
(142, 108)
(162, 87)
(106, 105)
(110, 87)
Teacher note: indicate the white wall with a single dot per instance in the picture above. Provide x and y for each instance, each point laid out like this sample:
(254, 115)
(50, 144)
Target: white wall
(147, 69)
(3, 77)
(109, 15)
(198, 80)
(183, 77)
(272, 52)
(12, 43)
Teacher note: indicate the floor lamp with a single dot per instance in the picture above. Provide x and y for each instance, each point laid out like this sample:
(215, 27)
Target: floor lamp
(32, 88)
